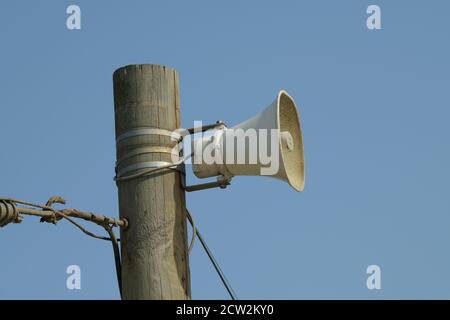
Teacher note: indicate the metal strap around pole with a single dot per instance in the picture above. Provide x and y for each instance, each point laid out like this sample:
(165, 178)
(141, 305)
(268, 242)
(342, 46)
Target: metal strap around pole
(147, 150)
(148, 131)
(142, 165)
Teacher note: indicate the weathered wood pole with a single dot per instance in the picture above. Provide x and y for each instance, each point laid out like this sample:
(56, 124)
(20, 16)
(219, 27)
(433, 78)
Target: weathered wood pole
(155, 261)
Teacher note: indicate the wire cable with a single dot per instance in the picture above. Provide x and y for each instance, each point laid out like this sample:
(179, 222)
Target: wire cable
(219, 271)
(117, 259)
(194, 231)
(58, 213)
(47, 213)
(107, 225)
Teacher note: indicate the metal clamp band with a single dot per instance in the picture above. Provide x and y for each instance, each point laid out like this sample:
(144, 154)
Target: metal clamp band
(147, 150)
(142, 165)
(148, 131)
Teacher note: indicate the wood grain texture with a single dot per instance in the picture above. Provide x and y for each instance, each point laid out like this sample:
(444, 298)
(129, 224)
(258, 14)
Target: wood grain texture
(154, 248)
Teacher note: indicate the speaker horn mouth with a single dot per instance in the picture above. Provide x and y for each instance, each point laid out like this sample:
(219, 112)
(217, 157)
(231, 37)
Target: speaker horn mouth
(291, 147)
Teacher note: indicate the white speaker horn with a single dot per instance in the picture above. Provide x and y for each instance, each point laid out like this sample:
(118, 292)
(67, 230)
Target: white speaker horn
(268, 144)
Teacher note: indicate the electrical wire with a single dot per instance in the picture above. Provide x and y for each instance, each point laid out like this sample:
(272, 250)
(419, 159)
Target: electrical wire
(117, 259)
(219, 271)
(81, 228)
(106, 225)
(49, 214)
(194, 231)
(112, 238)
(57, 213)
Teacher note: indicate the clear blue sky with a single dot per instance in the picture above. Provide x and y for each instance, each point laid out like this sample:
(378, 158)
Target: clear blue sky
(375, 111)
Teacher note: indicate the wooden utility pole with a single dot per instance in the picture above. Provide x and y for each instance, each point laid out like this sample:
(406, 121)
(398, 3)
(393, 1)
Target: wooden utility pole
(155, 261)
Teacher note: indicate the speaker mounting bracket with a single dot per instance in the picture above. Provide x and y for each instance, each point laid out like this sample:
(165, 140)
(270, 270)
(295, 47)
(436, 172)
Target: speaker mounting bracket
(222, 182)
(218, 125)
